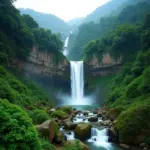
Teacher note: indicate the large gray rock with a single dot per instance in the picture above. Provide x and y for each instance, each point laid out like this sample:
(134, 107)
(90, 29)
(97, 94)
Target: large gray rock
(48, 129)
(83, 131)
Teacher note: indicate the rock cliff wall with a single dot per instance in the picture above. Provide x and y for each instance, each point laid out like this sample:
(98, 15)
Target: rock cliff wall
(44, 64)
(108, 65)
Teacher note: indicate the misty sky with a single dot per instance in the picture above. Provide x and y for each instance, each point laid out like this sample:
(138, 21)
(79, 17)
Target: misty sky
(65, 9)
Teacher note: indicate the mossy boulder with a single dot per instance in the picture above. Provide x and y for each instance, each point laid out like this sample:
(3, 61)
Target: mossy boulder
(59, 114)
(132, 123)
(75, 145)
(66, 109)
(39, 116)
(83, 131)
(48, 129)
(114, 113)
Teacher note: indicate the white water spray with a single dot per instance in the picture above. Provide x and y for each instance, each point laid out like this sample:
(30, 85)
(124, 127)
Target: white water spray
(77, 80)
(100, 138)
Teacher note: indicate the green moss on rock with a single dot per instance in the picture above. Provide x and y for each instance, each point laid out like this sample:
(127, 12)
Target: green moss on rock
(83, 131)
(59, 114)
(114, 112)
(131, 123)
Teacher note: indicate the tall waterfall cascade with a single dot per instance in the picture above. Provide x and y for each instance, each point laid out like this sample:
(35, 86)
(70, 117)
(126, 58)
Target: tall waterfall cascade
(77, 80)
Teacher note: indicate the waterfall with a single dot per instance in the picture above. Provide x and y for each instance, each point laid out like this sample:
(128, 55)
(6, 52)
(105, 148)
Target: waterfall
(77, 83)
(100, 138)
(65, 52)
(77, 80)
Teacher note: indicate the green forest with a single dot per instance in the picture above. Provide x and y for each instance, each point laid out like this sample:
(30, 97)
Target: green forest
(132, 15)
(28, 117)
(22, 102)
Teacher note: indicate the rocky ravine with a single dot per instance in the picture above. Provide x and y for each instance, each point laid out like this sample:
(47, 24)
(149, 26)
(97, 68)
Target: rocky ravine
(78, 124)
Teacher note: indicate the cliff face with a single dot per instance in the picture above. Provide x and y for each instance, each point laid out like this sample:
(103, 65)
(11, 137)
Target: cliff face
(108, 65)
(43, 63)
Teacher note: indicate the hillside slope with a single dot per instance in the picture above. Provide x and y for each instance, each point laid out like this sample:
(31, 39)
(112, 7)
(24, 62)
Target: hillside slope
(47, 21)
(111, 8)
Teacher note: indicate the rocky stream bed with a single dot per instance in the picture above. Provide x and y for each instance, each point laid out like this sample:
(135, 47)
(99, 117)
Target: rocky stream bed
(90, 129)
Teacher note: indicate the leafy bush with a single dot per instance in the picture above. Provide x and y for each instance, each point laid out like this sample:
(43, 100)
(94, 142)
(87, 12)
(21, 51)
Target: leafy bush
(128, 79)
(73, 145)
(132, 89)
(39, 116)
(46, 145)
(115, 95)
(144, 86)
(6, 91)
(3, 72)
(137, 68)
(16, 128)
(18, 86)
(20, 92)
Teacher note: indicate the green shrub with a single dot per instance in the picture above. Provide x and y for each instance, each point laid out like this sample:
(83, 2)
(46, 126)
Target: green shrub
(18, 86)
(132, 89)
(128, 79)
(73, 145)
(46, 145)
(3, 72)
(132, 121)
(115, 94)
(144, 86)
(16, 128)
(6, 91)
(39, 116)
(21, 92)
(59, 114)
(137, 68)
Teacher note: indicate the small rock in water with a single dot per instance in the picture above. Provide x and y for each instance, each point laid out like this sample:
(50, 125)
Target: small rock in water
(95, 139)
(93, 119)
(125, 146)
(69, 133)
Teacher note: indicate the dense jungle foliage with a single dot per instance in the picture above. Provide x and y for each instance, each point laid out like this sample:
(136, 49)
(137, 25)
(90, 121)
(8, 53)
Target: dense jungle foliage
(18, 34)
